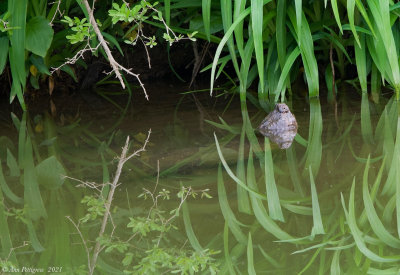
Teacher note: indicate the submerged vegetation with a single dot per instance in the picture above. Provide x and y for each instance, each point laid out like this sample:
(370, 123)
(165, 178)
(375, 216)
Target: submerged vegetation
(330, 203)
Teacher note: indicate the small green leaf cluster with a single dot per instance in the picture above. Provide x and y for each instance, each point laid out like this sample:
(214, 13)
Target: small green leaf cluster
(112, 245)
(184, 192)
(80, 27)
(174, 261)
(18, 214)
(126, 14)
(95, 208)
(144, 225)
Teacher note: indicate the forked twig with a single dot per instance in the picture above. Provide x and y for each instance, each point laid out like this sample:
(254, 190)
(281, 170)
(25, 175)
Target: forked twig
(122, 160)
(116, 67)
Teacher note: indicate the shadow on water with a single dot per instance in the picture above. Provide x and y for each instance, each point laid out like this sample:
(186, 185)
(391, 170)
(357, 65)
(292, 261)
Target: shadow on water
(328, 204)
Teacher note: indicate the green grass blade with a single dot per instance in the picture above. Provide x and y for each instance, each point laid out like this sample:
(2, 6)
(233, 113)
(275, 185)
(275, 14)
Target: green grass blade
(293, 170)
(398, 195)
(366, 126)
(269, 258)
(250, 260)
(12, 164)
(239, 6)
(32, 197)
(281, 31)
(350, 15)
(335, 264)
(18, 9)
(206, 11)
(245, 68)
(4, 45)
(227, 212)
(364, 14)
(374, 190)
(167, 11)
(373, 218)
(257, 27)
(227, 35)
(390, 185)
(7, 191)
(189, 229)
(274, 204)
(259, 210)
(243, 196)
(314, 148)
(356, 232)
(361, 62)
(310, 262)
(299, 10)
(375, 84)
(33, 237)
(232, 175)
(223, 126)
(228, 259)
(285, 72)
(336, 14)
(306, 45)
(21, 141)
(226, 12)
(318, 227)
(224, 40)
(381, 17)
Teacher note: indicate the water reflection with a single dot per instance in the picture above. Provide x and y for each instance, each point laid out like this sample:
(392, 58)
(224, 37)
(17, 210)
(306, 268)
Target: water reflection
(328, 204)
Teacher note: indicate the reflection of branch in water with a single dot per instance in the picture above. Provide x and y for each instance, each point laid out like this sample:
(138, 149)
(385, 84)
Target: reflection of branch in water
(197, 60)
(124, 157)
(122, 160)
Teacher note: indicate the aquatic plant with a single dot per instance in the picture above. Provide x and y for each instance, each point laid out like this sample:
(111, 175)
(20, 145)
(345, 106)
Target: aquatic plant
(346, 227)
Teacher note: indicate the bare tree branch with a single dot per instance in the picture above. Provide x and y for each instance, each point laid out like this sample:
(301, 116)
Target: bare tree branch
(114, 64)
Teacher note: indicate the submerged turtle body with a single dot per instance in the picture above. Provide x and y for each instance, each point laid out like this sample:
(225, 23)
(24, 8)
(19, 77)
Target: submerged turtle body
(280, 126)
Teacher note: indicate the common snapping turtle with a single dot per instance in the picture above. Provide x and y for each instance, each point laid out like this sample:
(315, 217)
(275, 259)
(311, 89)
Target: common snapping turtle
(280, 126)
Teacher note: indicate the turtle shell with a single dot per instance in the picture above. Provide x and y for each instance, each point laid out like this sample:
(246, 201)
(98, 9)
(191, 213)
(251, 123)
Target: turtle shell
(280, 126)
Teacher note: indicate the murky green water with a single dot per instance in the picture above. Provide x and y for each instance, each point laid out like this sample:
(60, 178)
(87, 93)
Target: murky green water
(270, 210)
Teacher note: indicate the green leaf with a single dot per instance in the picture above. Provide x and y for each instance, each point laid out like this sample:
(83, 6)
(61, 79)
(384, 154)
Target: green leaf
(274, 205)
(113, 41)
(229, 216)
(32, 197)
(373, 218)
(257, 27)
(356, 232)
(7, 191)
(206, 11)
(33, 237)
(250, 260)
(39, 35)
(4, 45)
(50, 173)
(318, 227)
(336, 14)
(12, 165)
(38, 61)
(189, 229)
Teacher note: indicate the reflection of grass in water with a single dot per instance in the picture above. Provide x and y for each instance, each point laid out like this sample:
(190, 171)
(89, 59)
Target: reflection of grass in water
(348, 240)
(49, 232)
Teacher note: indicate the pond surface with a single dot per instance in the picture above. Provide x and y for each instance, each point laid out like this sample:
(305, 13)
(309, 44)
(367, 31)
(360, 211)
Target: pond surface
(328, 204)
